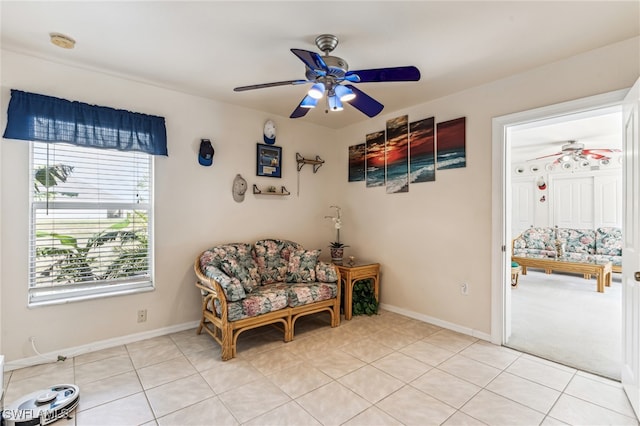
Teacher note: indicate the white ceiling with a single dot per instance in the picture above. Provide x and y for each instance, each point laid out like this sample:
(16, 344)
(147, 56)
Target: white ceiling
(209, 47)
(595, 129)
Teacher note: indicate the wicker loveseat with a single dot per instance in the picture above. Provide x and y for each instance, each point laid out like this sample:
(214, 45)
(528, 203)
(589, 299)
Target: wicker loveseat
(581, 245)
(273, 281)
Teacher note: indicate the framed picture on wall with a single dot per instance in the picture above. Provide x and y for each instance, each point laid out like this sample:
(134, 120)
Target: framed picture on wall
(269, 160)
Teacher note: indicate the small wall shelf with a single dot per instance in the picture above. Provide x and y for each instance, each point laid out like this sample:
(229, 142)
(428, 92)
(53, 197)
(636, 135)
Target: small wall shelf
(317, 163)
(281, 192)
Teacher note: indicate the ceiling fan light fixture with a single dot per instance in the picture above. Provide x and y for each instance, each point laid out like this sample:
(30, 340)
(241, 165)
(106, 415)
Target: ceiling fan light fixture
(335, 104)
(309, 102)
(316, 91)
(344, 93)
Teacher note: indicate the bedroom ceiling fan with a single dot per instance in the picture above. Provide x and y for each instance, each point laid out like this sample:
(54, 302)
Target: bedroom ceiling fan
(330, 75)
(574, 151)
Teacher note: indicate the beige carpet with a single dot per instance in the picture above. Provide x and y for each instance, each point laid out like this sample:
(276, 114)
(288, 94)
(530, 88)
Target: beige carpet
(561, 317)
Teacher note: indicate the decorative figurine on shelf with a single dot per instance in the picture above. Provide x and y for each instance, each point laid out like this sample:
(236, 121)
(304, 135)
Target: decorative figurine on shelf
(271, 189)
(337, 248)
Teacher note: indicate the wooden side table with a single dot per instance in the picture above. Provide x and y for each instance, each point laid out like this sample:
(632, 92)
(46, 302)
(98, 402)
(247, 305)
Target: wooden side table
(356, 271)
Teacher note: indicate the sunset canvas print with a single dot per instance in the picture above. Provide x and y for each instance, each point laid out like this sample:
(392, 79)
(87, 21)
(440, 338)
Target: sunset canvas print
(356, 163)
(451, 144)
(397, 155)
(374, 159)
(422, 153)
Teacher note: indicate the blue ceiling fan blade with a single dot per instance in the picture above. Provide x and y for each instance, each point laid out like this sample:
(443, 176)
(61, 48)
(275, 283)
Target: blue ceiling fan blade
(365, 103)
(300, 111)
(409, 73)
(312, 60)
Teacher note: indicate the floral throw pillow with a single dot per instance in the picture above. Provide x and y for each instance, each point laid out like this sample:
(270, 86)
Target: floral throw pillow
(302, 266)
(326, 273)
(244, 268)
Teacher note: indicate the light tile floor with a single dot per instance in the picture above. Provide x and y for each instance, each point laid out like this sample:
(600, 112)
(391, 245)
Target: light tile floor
(382, 370)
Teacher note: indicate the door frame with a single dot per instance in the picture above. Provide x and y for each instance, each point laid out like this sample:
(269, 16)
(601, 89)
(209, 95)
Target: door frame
(501, 198)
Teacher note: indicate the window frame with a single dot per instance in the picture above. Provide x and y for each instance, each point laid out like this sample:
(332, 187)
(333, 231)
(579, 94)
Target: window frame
(91, 290)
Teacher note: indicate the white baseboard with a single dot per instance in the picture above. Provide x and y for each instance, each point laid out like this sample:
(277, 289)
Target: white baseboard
(96, 346)
(435, 321)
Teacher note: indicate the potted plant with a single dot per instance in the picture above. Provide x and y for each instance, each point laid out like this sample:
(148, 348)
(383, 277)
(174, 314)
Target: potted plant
(336, 247)
(364, 299)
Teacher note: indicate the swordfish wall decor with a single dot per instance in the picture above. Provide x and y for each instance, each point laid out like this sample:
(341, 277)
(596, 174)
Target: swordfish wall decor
(407, 153)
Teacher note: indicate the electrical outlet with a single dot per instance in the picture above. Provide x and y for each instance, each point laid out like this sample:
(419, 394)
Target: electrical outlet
(142, 315)
(464, 288)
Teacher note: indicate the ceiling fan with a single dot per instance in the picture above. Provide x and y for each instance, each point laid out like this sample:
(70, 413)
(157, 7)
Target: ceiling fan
(574, 150)
(330, 74)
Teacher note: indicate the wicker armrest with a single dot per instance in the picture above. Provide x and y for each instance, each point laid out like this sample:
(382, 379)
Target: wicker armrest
(211, 291)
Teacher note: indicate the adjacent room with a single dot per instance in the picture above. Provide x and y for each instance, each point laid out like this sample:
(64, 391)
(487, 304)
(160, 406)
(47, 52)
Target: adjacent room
(234, 212)
(567, 172)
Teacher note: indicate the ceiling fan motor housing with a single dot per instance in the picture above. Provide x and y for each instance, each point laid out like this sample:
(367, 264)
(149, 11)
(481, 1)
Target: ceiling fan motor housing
(572, 146)
(338, 67)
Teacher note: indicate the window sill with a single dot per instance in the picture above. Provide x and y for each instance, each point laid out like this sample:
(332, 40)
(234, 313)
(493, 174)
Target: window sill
(73, 298)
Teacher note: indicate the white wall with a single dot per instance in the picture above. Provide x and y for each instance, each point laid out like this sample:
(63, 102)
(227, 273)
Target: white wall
(194, 205)
(601, 207)
(428, 240)
(438, 235)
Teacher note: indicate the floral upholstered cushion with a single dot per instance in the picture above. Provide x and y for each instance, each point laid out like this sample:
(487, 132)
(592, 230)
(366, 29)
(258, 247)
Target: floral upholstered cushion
(236, 261)
(578, 240)
(609, 241)
(232, 288)
(601, 258)
(305, 293)
(326, 272)
(539, 238)
(264, 299)
(272, 258)
(243, 269)
(302, 266)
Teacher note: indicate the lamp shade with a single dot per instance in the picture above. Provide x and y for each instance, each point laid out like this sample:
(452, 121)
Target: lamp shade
(344, 93)
(308, 102)
(316, 91)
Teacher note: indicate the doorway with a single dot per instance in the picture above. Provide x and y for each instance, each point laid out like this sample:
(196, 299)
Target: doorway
(532, 166)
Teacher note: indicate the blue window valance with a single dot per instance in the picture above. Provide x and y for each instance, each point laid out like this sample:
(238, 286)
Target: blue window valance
(35, 117)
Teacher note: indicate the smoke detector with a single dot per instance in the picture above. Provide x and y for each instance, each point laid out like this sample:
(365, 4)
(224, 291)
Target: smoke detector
(62, 40)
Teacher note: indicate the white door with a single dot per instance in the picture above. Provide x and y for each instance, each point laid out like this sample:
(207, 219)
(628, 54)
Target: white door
(631, 249)
(608, 200)
(573, 202)
(522, 206)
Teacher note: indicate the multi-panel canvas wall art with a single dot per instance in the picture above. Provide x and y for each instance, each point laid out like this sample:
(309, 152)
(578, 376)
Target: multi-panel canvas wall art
(397, 155)
(451, 144)
(356, 163)
(374, 159)
(405, 153)
(422, 152)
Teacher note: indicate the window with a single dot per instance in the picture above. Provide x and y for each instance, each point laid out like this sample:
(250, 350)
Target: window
(91, 185)
(91, 216)
(91, 207)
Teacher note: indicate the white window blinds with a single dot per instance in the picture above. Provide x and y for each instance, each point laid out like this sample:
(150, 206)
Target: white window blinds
(90, 222)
